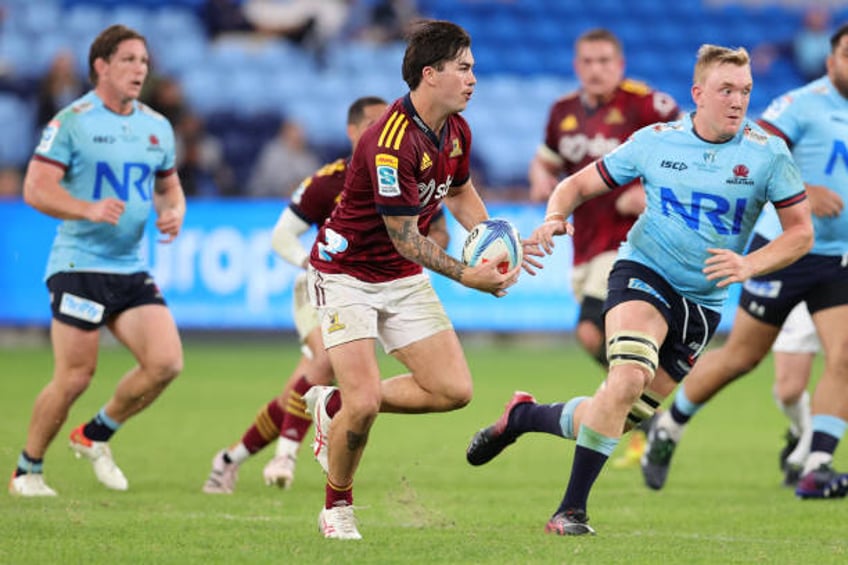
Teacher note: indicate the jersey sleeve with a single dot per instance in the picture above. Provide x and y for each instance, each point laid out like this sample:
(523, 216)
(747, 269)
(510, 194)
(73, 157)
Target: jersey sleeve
(623, 164)
(391, 163)
(785, 185)
(784, 117)
(56, 144)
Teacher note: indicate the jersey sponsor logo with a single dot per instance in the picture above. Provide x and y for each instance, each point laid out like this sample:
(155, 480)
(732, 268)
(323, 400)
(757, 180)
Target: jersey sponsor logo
(429, 190)
(335, 243)
(614, 117)
(724, 217)
(426, 162)
(674, 165)
(642, 286)
(48, 136)
(763, 289)
(393, 131)
(838, 154)
(575, 148)
(82, 107)
(776, 108)
(568, 123)
(752, 135)
(108, 139)
(456, 148)
(81, 308)
(138, 176)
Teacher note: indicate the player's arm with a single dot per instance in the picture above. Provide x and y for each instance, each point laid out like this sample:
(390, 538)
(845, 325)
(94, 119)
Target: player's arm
(785, 249)
(566, 197)
(543, 173)
(170, 205)
(44, 192)
(824, 202)
(439, 231)
(285, 238)
(465, 204)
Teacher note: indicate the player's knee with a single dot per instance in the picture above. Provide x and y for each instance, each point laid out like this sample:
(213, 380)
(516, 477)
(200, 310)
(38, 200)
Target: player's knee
(165, 369)
(74, 382)
(634, 349)
(459, 396)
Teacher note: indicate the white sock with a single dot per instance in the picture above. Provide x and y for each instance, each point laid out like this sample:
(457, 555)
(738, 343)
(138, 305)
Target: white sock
(815, 460)
(287, 447)
(798, 414)
(238, 454)
(675, 430)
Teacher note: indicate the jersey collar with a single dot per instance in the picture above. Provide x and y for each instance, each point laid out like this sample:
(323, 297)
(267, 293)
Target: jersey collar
(419, 123)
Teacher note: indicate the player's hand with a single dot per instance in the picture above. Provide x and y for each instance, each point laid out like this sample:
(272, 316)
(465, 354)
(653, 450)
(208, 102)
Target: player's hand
(824, 202)
(488, 278)
(169, 223)
(544, 234)
(531, 249)
(726, 265)
(108, 211)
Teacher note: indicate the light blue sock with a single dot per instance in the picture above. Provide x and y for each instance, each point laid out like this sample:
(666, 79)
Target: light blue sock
(566, 420)
(590, 439)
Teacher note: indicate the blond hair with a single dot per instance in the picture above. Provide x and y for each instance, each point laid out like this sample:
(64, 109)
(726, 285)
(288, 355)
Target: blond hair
(712, 55)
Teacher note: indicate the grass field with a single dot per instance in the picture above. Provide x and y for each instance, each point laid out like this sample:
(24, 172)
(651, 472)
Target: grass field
(419, 501)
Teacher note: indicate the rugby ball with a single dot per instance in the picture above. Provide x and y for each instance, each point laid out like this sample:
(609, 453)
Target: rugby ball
(490, 239)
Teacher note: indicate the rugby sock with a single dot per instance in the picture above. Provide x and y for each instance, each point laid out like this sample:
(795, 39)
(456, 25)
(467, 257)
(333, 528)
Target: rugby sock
(798, 413)
(592, 451)
(101, 427)
(531, 417)
(827, 431)
(334, 403)
(676, 417)
(337, 496)
(237, 454)
(27, 464)
(296, 421)
(265, 428)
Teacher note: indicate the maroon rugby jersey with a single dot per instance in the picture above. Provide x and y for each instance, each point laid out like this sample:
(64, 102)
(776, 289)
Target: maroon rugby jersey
(580, 135)
(399, 168)
(317, 196)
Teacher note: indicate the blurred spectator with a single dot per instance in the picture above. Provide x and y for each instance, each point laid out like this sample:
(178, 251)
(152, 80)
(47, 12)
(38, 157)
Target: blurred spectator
(312, 24)
(60, 86)
(380, 21)
(224, 16)
(165, 95)
(807, 50)
(11, 183)
(283, 163)
(201, 164)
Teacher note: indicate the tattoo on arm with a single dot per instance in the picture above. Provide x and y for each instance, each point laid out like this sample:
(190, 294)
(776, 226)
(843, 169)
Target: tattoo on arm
(411, 244)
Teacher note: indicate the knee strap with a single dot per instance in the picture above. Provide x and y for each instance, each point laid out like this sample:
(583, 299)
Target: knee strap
(643, 409)
(633, 348)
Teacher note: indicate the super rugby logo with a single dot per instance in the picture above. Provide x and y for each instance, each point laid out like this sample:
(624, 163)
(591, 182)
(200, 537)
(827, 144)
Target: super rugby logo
(427, 191)
(387, 175)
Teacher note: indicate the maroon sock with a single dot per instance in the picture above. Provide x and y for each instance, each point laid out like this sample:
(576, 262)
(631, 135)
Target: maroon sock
(296, 421)
(338, 496)
(334, 403)
(265, 428)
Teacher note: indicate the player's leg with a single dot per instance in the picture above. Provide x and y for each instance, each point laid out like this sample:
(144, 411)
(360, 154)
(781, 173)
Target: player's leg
(830, 402)
(749, 341)
(75, 358)
(296, 420)
(794, 351)
(635, 329)
(151, 335)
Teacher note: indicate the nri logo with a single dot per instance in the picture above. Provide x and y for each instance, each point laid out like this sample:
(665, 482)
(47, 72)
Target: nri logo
(724, 217)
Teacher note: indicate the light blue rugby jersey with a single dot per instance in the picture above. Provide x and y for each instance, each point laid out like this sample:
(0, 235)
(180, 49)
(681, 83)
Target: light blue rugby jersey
(814, 121)
(700, 195)
(105, 154)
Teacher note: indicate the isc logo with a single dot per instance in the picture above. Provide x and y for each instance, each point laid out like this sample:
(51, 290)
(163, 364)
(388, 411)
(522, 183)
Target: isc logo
(134, 176)
(724, 218)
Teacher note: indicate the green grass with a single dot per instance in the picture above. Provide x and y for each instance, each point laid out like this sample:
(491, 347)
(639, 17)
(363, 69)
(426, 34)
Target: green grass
(419, 501)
